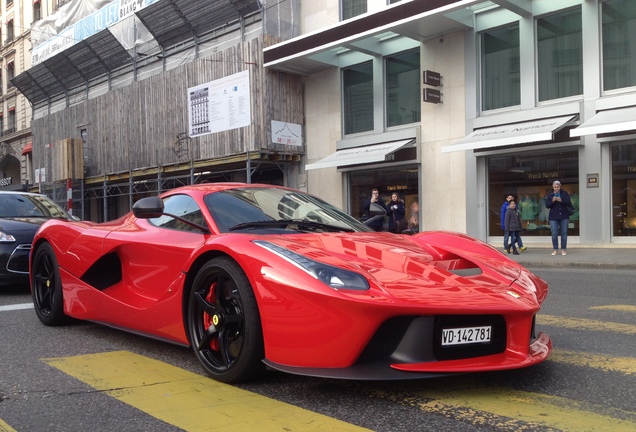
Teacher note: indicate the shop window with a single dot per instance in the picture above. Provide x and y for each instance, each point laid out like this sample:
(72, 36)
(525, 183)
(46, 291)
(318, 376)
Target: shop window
(351, 8)
(619, 44)
(624, 190)
(500, 66)
(358, 98)
(402, 76)
(529, 177)
(560, 55)
(37, 11)
(1, 123)
(401, 179)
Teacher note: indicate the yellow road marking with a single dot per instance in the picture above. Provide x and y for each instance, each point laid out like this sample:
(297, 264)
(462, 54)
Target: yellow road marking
(496, 407)
(626, 365)
(187, 400)
(5, 427)
(620, 308)
(585, 324)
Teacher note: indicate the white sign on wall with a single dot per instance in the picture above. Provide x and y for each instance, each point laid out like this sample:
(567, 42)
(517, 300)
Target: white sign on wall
(219, 105)
(287, 133)
(40, 175)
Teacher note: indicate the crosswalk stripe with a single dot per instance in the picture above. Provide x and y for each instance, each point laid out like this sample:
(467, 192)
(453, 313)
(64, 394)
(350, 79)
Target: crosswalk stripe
(626, 365)
(5, 427)
(497, 406)
(13, 307)
(178, 397)
(585, 324)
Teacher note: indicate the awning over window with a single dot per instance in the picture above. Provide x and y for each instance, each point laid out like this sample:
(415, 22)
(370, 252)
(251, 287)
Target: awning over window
(28, 148)
(359, 155)
(616, 120)
(510, 134)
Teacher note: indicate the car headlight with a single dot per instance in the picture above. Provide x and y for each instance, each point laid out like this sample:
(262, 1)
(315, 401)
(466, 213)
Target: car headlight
(6, 238)
(331, 276)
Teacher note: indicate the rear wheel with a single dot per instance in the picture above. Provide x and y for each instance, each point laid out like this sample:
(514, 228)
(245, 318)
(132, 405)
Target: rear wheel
(224, 324)
(46, 287)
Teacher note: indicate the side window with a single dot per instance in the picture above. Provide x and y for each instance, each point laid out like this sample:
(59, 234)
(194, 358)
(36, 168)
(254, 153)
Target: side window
(184, 207)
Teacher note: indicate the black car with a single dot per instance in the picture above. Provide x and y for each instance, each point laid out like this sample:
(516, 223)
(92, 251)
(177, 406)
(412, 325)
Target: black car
(21, 214)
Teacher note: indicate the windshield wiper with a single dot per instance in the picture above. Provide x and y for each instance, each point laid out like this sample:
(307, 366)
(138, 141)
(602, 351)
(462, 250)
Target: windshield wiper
(298, 224)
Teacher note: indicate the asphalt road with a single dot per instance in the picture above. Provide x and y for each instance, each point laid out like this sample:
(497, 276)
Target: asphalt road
(89, 377)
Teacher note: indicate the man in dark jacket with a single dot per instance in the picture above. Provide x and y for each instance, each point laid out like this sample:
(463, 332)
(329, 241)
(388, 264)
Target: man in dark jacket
(378, 223)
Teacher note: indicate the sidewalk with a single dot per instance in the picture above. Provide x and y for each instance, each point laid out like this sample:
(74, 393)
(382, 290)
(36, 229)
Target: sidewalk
(583, 257)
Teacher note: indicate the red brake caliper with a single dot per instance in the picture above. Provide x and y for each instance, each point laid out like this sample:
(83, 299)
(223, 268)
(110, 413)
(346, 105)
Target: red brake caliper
(207, 319)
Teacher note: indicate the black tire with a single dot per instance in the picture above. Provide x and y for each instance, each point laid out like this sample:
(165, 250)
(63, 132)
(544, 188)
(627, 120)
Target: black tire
(224, 324)
(46, 287)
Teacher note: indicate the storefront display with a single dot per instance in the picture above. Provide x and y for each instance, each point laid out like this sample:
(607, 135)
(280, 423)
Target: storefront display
(529, 177)
(402, 179)
(624, 189)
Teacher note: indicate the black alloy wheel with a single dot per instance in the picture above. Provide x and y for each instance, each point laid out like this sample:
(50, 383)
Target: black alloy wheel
(46, 287)
(224, 324)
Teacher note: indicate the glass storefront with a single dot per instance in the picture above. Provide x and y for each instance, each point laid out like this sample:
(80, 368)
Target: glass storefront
(529, 177)
(401, 179)
(624, 189)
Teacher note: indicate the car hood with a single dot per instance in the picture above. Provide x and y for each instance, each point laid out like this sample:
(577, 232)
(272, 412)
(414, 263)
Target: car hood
(410, 268)
(16, 224)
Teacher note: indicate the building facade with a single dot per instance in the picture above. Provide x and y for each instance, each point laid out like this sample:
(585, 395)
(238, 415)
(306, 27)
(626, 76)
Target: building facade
(132, 98)
(481, 99)
(453, 104)
(15, 110)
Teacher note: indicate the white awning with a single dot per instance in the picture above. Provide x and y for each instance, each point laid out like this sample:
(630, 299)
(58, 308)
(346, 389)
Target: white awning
(616, 120)
(359, 155)
(510, 134)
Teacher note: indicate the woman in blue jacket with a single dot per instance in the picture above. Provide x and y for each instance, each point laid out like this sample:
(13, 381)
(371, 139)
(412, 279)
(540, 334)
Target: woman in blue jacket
(558, 202)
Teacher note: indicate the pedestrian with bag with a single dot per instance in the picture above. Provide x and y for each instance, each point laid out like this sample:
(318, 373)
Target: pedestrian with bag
(560, 205)
(513, 225)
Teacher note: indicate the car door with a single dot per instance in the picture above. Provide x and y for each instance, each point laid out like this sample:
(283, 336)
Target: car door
(154, 252)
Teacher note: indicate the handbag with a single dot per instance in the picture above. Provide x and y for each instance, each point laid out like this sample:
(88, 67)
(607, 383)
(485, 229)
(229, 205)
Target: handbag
(571, 210)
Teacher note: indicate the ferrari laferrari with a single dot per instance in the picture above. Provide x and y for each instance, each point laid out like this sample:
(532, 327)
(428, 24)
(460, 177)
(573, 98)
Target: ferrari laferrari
(257, 277)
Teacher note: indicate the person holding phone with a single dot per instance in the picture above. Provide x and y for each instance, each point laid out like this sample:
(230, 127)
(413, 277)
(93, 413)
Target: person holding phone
(558, 202)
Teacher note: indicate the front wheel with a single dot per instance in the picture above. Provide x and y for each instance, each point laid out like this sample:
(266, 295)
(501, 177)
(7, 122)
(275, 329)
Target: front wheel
(46, 287)
(224, 324)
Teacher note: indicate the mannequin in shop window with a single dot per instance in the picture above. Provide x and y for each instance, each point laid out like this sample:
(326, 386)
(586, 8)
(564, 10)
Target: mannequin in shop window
(529, 209)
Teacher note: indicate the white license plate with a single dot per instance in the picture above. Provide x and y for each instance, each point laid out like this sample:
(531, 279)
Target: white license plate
(466, 335)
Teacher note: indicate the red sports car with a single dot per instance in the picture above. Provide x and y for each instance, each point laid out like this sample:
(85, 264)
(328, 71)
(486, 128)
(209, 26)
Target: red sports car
(252, 276)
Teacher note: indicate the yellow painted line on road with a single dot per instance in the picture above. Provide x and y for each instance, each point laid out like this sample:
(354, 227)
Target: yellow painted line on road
(495, 407)
(626, 365)
(620, 308)
(187, 400)
(586, 324)
(5, 427)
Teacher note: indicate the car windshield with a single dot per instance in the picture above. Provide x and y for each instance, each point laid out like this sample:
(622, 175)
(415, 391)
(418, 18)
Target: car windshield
(271, 208)
(25, 205)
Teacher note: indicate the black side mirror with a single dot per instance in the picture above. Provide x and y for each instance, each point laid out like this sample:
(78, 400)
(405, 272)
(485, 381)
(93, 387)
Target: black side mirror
(148, 208)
